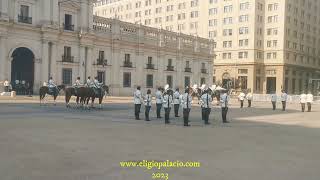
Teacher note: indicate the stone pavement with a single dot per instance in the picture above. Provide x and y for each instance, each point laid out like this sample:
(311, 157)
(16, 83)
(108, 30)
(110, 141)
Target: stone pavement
(52, 142)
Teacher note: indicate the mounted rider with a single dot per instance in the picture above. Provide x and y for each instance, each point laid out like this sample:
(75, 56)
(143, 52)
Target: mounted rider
(89, 82)
(97, 86)
(52, 86)
(77, 85)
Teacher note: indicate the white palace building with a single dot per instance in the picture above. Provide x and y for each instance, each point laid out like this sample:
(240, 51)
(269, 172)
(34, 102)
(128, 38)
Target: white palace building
(62, 39)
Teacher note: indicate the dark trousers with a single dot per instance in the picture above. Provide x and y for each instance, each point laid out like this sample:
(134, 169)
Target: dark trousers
(137, 108)
(186, 112)
(284, 105)
(274, 105)
(203, 113)
(167, 115)
(6, 89)
(224, 111)
(249, 103)
(146, 113)
(176, 110)
(303, 106)
(241, 103)
(309, 106)
(207, 115)
(159, 106)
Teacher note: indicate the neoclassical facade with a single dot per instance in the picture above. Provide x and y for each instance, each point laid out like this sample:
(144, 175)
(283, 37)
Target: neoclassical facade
(63, 39)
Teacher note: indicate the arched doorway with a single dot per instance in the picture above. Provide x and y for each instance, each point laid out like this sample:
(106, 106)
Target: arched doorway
(22, 69)
(226, 80)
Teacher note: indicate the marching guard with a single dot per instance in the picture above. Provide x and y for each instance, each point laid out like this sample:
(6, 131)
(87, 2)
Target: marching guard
(137, 102)
(249, 97)
(159, 102)
(309, 101)
(284, 97)
(176, 102)
(241, 98)
(186, 106)
(206, 105)
(147, 103)
(167, 101)
(274, 100)
(303, 100)
(224, 100)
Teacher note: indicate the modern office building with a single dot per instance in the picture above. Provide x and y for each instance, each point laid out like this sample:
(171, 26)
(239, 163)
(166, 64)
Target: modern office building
(262, 45)
(64, 40)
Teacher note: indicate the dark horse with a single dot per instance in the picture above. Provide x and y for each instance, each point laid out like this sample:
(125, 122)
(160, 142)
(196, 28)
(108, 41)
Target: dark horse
(98, 93)
(44, 90)
(84, 94)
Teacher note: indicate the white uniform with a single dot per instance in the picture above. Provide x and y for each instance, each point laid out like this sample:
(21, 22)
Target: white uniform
(167, 101)
(6, 83)
(303, 98)
(137, 97)
(249, 96)
(159, 98)
(148, 100)
(186, 101)
(241, 96)
(17, 81)
(206, 100)
(78, 83)
(176, 98)
(89, 83)
(224, 100)
(273, 98)
(96, 84)
(309, 98)
(51, 84)
(284, 97)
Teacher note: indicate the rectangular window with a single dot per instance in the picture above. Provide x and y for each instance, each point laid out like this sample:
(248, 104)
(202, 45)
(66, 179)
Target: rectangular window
(149, 60)
(24, 11)
(169, 62)
(186, 81)
(101, 55)
(67, 76)
(203, 81)
(149, 81)
(169, 81)
(126, 79)
(68, 22)
(101, 77)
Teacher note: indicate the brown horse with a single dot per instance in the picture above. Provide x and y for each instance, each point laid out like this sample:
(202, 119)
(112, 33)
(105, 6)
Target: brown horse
(44, 90)
(81, 93)
(99, 93)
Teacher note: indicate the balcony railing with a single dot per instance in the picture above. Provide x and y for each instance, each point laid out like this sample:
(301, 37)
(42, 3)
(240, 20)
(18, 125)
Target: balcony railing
(204, 71)
(102, 62)
(25, 19)
(127, 64)
(187, 69)
(67, 58)
(170, 68)
(68, 27)
(150, 66)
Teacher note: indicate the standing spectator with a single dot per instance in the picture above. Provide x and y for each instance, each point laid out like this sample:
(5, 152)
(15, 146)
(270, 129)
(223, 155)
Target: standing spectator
(148, 101)
(303, 100)
(249, 97)
(284, 97)
(309, 101)
(274, 100)
(137, 102)
(241, 98)
(6, 85)
(224, 100)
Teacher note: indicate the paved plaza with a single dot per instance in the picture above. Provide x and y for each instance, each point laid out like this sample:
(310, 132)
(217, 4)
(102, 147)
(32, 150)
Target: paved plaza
(55, 143)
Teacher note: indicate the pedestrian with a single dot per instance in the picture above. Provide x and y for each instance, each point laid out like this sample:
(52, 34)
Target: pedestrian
(303, 100)
(274, 100)
(167, 101)
(147, 103)
(176, 102)
(159, 102)
(137, 102)
(309, 101)
(284, 97)
(6, 85)
(186, 101)
(224, 100)
(207, 100)
(249, 97)
(241, 98)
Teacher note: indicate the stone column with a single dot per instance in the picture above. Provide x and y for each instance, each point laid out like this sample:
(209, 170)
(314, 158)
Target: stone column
(82, 60)
(55, 12)
(45, 13)
(4, 9)
(54, 59)
(45, 61)
(116, 59)
(4, 59)
(89, 61)
(38, 75)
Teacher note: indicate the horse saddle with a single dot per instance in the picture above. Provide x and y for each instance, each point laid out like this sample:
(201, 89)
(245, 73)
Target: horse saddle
(52, 90)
